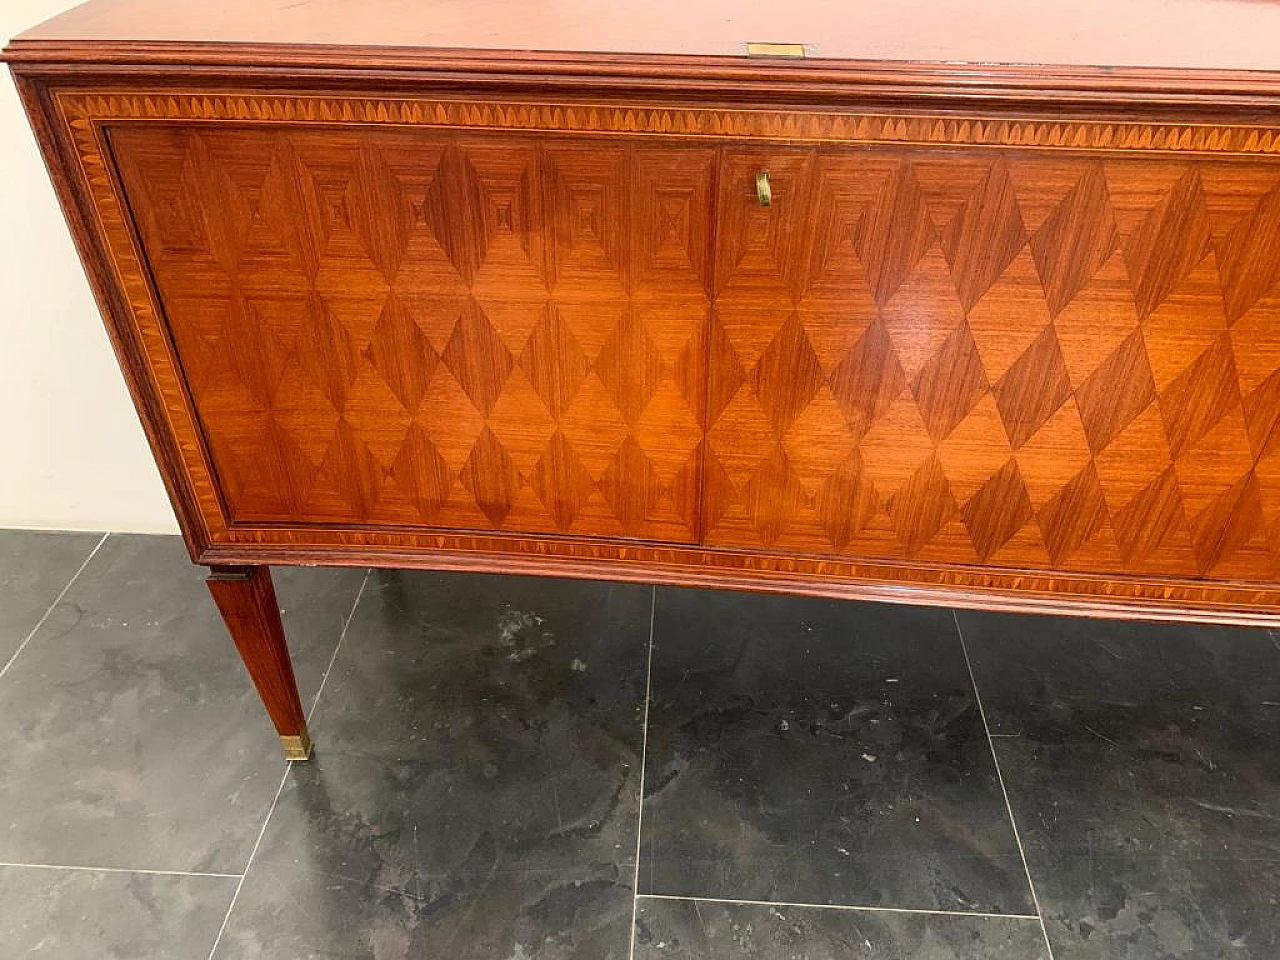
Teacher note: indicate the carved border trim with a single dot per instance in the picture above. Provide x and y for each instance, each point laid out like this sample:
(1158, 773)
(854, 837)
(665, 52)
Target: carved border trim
(719, 122)
(692, 565)
(134, 283)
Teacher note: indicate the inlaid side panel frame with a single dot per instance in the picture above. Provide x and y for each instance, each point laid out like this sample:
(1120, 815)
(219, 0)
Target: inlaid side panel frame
(73, 120)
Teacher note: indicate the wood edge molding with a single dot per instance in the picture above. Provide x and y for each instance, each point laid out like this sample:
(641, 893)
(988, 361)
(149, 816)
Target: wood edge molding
(62, 162)
(1202, 603)
(722, 122)
(816, 78)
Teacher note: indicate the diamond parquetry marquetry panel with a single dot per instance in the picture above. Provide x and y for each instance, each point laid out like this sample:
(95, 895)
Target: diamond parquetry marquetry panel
(405, 328)
(1020, 360)
(1026, 359)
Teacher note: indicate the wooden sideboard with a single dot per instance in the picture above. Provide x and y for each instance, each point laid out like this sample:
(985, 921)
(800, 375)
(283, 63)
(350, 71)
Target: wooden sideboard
(601, 292)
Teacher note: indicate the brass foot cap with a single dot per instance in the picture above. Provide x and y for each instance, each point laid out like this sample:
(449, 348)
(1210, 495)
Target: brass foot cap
(297, 748)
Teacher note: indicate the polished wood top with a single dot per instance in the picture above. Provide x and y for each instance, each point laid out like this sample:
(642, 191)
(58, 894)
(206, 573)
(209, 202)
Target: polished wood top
(1179, 34)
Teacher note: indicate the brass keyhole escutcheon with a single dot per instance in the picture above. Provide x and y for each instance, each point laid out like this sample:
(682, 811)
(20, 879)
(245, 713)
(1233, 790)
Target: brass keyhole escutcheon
(764, 192)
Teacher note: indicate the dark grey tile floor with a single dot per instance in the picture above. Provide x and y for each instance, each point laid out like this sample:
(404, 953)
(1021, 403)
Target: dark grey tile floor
(804, 780)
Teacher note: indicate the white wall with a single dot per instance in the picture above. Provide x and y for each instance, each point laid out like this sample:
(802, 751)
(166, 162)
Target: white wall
(72, 454)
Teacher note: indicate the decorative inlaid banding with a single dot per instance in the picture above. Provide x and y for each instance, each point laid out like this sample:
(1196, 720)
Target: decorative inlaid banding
(719, 122)
(1044, 203)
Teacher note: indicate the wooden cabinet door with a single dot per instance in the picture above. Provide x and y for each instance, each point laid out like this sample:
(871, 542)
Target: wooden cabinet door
(413, 328)
(1024, 359)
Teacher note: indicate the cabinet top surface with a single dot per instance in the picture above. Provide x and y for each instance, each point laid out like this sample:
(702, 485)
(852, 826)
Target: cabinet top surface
(1176, 34)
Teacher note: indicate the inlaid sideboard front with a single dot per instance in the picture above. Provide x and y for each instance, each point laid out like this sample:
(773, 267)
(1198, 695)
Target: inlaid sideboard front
(1006, 358)
(1001, 349)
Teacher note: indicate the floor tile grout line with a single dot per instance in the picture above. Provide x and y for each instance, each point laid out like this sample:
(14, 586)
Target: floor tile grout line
(995, 759)
(351, 615)
(226, 917)
(90, 869)
(644, 750)
(846, 907)
(53, 606)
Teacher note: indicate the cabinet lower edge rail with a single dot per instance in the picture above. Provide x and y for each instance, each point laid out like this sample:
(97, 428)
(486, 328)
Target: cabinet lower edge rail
(1020, 591)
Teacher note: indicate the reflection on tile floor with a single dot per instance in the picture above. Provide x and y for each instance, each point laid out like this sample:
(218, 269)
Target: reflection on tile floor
(817, 751)
(1143, 769)
(131, 737)
(702, 930)
(476, 791)
(477, 780)
(34, 567)
(88, 913)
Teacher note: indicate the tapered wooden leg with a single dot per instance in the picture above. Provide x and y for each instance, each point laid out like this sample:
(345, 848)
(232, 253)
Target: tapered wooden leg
(247, 600)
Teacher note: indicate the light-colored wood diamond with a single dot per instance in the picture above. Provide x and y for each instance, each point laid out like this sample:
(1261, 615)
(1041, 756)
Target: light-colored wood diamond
(1214, 463)
(835, 324)
(1097, 320)
(668, 432)
(923, 313)
(1133, 459)
(818, 442)
(1186, 324)
(435, 316)
(750, 327)
(1009, 317)
(514, 320)
(630, 366)
(1255, 340)
(593, 426)
(893, 449)
(304, 411)
(427, 277)
(377, 416)
(975, 450)
(450, 420)
(521, 422)
(1054, 455)
(742, 438)
(670, 323)
(507, 266)
(592, 322)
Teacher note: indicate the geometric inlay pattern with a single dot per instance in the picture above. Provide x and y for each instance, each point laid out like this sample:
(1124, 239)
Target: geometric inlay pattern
(1013, 360)
(407, 329)
(1010, 358)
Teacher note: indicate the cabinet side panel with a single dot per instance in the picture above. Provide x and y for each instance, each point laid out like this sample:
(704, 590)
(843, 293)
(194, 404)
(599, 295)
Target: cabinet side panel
(195, 505)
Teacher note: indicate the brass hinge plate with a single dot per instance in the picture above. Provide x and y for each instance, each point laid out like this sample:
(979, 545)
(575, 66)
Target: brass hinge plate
(775, 50)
